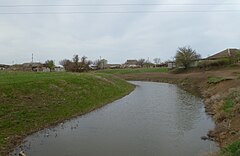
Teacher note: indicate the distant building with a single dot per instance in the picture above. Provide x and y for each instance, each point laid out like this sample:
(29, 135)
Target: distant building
(102, 64)
(171, 64)
(148, 65)
(227, 53)
(131, 64)
(232, 54)
(58, 69)
(93, 67)
(4, 67)
(113, 66)
(162, 65)
(35, 66)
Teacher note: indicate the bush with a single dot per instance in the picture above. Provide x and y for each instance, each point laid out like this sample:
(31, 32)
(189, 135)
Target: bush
(215, 63)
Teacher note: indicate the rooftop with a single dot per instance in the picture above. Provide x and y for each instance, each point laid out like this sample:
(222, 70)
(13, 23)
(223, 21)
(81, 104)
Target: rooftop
(225, 53)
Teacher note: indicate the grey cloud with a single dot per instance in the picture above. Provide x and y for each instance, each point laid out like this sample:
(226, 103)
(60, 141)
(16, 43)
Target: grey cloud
(115, 37)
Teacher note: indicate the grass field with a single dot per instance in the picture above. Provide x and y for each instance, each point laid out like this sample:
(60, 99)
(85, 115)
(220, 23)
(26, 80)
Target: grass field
(132, 71)
(31, 101)
(232, 149)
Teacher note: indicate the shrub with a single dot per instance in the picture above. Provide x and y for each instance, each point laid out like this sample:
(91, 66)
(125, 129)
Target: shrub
(215, 63)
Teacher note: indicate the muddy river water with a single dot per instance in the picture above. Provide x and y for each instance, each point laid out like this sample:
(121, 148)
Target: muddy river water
(156, 119)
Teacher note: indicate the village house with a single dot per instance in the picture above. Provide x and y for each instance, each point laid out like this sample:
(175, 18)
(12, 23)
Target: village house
(171, 64)
(232, 54)
(227, 53)
(59, 69)
(102, 64)
(93, 67)
(35, 66)
(113, 66)
(3, 66)
(131, 64)
(148, 65)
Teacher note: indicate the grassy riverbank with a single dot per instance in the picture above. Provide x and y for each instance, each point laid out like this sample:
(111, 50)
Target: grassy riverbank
(220, 88)
(31, 101)
(133, 71)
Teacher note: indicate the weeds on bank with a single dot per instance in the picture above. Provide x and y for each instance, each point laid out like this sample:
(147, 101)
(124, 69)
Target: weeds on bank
(215, 80)
(232, 101)
(133, 71)
(228, 106)
(232, 149)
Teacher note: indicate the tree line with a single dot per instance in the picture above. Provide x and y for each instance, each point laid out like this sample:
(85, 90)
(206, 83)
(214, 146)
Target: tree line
(77, 64)
(185, 57)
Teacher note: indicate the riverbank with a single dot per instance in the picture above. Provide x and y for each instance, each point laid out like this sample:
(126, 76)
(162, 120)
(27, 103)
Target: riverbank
(32, 101)
(220, 88)
(144, 123)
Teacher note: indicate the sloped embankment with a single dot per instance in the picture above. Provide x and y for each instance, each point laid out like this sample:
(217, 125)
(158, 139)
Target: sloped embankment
(32, 101)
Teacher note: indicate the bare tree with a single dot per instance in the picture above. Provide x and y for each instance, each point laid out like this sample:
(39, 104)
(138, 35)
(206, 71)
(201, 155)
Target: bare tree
(76, 63)
(63, 62)
(67, 64)
(141, 62)
(75, 59)
(84, 64)
(157, 61)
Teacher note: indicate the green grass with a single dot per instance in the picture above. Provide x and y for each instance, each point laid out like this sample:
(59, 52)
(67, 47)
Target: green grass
(132, 71)
(215, 80)
(228, 105)
(232, 149)
(231, 100)
(29, 101)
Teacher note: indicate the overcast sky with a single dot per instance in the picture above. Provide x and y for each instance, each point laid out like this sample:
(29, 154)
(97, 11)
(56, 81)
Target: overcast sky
(115, 37)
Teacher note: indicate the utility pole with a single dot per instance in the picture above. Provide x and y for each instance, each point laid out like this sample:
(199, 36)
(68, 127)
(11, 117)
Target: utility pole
(32, 57)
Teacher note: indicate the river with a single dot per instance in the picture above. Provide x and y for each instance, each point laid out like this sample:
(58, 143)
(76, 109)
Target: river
(156, 119)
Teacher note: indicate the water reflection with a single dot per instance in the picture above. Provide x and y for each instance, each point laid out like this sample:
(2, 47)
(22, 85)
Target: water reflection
(191, 105)
(155, 119)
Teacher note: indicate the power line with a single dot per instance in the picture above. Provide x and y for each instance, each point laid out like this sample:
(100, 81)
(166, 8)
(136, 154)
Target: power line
(122, 12)
(123, 4)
